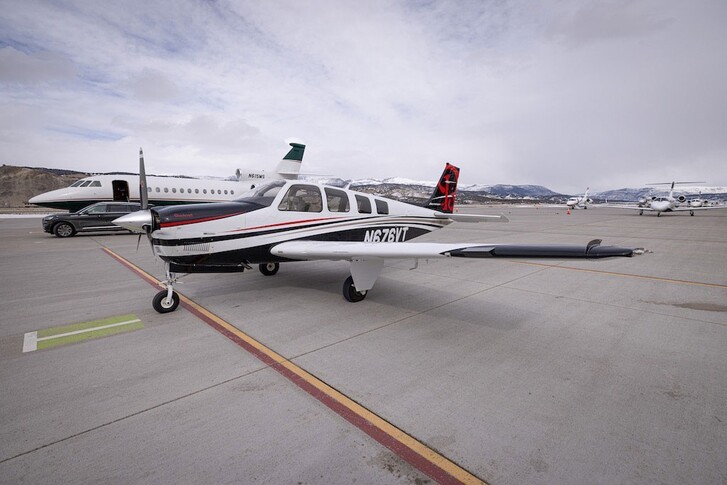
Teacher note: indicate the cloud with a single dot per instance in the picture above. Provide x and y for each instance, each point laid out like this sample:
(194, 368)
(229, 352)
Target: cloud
(568, 94)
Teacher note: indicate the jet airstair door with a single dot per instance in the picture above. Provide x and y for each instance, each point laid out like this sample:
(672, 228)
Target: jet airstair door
(121, 190)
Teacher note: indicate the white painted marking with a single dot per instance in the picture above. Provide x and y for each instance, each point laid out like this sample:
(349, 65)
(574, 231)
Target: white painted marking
(30, 342)
(76, 332)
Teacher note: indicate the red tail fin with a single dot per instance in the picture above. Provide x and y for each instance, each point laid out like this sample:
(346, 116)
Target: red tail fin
(442, 199)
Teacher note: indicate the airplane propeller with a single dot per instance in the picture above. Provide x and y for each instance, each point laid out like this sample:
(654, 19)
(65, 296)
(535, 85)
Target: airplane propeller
(144, 200)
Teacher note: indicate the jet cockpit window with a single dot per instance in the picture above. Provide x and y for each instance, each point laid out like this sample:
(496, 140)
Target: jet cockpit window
(262, 195)
(77, 183)
(337, 200)
(95, 183)
(302, 198)
(364, 204)
(85, 183)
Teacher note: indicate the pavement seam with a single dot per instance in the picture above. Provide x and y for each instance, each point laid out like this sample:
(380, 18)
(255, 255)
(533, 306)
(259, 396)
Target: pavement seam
(137, 413)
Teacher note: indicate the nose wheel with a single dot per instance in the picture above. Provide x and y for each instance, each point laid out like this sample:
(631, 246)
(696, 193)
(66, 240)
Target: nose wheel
(163, 303)
(167, 300)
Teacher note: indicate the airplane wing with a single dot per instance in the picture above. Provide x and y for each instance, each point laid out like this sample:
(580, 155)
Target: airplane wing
(456, 217)
(680, 209)
(350, 251)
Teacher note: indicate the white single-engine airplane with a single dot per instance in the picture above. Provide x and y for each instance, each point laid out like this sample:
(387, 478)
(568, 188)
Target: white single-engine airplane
(284, 221)
(579, 202)
(665, 204)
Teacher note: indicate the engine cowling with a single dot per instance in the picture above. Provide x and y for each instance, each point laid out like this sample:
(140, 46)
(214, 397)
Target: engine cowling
(681, 198)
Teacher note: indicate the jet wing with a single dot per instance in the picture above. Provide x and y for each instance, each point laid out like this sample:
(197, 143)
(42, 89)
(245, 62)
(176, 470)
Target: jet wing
(350, 251)
(471, 217)
(681, 209)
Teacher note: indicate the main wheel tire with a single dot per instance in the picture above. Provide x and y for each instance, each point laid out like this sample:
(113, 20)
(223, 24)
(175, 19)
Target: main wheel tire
(162, 305)
(641, 213)
(658, 214)
(269, 269)
(691, 213)
(64, 229)
(350, 293)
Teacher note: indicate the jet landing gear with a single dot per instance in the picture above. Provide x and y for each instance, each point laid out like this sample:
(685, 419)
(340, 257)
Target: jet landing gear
(167, 301)
(350, 293)
(269, 269)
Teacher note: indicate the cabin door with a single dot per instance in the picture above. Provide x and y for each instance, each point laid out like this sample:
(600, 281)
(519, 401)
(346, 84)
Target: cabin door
(121, 190)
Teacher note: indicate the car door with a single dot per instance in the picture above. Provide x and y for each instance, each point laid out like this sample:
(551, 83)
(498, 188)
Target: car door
(95, 218)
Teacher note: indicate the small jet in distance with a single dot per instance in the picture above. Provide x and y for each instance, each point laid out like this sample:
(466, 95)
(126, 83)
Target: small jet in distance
(661, 204)
(579, 202)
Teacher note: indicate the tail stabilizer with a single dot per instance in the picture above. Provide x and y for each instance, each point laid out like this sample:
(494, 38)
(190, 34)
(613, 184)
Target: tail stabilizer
(442, 198)
(289, 167)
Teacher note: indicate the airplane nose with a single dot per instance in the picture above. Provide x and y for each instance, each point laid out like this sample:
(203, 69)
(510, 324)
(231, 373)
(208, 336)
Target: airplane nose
(135, 222)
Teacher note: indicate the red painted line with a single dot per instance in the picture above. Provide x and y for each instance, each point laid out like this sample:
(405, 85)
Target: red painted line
(405, 452)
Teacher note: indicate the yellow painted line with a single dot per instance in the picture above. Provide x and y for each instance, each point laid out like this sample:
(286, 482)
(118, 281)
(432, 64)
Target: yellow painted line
(456, 473)
(625, 275)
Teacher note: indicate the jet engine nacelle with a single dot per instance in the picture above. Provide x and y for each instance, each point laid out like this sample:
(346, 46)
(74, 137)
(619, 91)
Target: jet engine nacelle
(589, 200)
(681, 198)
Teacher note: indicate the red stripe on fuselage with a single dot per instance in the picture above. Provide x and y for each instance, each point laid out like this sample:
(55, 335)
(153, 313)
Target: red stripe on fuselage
(195, 221)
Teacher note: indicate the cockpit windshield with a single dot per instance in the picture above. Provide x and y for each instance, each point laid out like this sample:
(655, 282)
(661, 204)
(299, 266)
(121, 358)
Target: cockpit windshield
(262, 195)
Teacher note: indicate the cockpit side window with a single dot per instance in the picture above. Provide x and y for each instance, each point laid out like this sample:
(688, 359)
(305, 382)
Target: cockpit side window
(337, 200)
(262, 195)
(302, 198)
(364, 204)
(77, 183)
(95, 183)
(85, 183)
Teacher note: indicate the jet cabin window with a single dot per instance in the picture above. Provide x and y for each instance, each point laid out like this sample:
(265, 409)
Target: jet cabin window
(302, 198)
(337, 200)
(364, 204)
(381, 207)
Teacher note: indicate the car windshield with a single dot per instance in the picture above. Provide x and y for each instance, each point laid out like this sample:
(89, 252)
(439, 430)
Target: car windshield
(262, 195)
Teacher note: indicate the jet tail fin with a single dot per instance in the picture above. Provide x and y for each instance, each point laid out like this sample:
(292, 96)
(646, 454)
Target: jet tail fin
(442, 198)
(289, 167)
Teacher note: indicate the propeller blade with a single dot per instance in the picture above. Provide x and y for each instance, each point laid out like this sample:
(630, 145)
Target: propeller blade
(143, 195)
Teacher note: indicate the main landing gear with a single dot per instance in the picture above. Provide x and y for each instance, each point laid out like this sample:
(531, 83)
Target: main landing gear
(350, 293)
(167, 301)
(269, 269)
(691, 213)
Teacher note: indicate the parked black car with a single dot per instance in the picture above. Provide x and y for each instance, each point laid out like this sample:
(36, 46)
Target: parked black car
(95, 217)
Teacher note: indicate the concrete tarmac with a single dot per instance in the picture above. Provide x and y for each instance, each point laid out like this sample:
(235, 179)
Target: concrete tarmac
(518, 371)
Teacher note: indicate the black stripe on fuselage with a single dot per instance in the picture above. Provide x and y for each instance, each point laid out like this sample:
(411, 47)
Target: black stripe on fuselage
(354, 233)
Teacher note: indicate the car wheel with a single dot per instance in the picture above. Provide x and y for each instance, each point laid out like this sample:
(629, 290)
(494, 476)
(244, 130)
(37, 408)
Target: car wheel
(63, 229)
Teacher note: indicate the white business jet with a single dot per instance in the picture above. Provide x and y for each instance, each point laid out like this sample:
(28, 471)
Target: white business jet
(579, 202)
(669, 203)
(167, 190)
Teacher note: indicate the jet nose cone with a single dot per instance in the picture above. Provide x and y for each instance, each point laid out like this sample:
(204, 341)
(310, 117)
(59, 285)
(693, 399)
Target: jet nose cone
(135, 222)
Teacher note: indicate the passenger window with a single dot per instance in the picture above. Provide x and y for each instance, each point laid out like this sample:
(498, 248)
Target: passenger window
(95, 183)
(225, 192)
(166, 190)
(157, 189)
(196, 191)
(381, 206)
(204, 191)
(174, 190)
(219, 192)
(148, 189)
(302, 198)
(337, 200)
(364, 204)
(99, 209)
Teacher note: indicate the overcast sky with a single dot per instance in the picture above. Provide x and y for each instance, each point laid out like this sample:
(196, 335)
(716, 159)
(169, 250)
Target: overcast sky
(565, 94)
